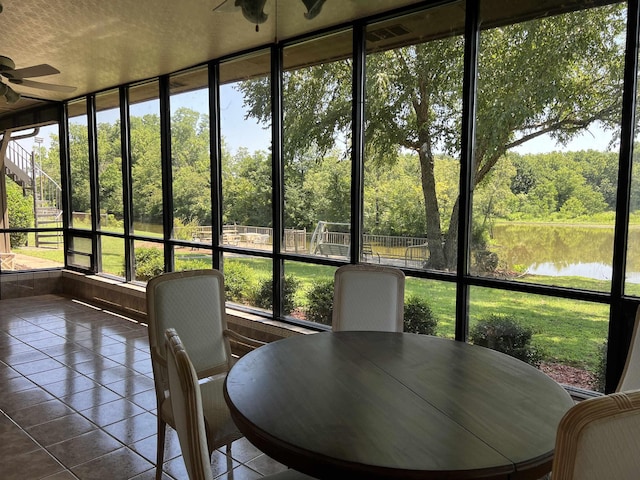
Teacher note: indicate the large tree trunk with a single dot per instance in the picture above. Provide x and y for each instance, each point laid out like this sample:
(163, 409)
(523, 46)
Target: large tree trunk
(437, 258)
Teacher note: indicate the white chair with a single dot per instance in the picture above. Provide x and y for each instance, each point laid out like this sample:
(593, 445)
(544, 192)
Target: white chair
(599, 439)
(368, 297)
(193, 303)
(188, 416)
(630, 379)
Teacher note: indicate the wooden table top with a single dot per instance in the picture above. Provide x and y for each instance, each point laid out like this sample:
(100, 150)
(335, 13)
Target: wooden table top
(396, 405)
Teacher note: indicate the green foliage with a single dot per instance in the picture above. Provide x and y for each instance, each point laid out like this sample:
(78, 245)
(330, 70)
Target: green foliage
(506, 335)
(184, 230)
(149, 263)
(320, 302)
(239, 280)
(20, 213)
(418, 317)
(264, 294)
(601, 369)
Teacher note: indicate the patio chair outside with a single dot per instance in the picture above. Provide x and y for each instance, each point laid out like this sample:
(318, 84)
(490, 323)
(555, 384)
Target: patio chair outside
(368, 297)
(193, 303)
(599, 438)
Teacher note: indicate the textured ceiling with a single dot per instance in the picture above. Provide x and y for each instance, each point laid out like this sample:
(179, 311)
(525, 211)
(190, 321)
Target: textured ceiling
(98, 44)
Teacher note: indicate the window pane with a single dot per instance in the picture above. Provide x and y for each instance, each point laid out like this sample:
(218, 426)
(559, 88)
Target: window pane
(317, 145)
(546, 170)
(149, 259)
(79, 165)
(413, 115)
(309, 292)
(248, 281)
(192, 258)
(80, 253)
(632, 280)
(190, 163)
(430, 307)
(565, 338)
(245, 125)
(146, 167)
(34, 200)
(112, 249)
(109, 161)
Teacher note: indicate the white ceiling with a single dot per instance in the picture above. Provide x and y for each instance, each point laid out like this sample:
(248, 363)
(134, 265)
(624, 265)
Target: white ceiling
(98, 44)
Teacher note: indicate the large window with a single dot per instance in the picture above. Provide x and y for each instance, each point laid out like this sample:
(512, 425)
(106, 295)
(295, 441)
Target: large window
(316, 146)
(546, 164)
(146, 160)
(413, 124)
(79, 165)
(34, 201)
(247, 218)
(190, 165)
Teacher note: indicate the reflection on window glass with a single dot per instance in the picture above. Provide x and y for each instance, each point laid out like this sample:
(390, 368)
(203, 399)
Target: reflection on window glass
(34, 200)
(546, 170)
(565, 338)
(146, 166)
(317, 127)
(248, 281)
(190, 162)
(79, 165)
(112, 250)
(413, 115)
(429, 307)
(308, 292)
(149, 260)
(245, 123)
(109, 162)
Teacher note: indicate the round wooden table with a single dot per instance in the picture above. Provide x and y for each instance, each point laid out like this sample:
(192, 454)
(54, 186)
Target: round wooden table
(396, 405)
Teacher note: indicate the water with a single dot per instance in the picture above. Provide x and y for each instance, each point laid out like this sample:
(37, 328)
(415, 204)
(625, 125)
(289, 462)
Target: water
(564, 250)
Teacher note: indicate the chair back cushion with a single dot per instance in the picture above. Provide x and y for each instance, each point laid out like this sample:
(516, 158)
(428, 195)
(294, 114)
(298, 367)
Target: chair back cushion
(630, 379)
(368, 297)
(193, 303)
(187, 409)
(600, 438)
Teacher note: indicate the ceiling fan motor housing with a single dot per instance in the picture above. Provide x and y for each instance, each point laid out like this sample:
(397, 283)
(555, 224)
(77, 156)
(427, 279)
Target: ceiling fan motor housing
(6, 64)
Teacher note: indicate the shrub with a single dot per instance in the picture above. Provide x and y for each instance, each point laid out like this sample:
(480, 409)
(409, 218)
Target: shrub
(320, 302)
(418, 317)
(149, 263)
(264, 294)
(506, 335)
(238, 280)
(20, 213)
(601, 369)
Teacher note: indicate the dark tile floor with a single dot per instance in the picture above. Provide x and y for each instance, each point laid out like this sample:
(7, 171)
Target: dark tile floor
(77, 399)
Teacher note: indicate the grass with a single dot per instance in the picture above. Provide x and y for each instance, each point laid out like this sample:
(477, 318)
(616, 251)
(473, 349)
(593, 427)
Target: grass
(568, 331)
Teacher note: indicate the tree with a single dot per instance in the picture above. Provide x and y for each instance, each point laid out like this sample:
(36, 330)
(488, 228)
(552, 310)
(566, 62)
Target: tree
(555, 75)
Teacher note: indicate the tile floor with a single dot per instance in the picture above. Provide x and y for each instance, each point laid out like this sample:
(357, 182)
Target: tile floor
(77, 399)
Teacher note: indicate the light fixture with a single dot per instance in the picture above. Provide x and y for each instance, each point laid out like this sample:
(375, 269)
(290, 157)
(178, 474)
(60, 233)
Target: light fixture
(8, 93)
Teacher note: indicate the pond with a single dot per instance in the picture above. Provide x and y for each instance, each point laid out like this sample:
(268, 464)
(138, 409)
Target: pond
(563, 250)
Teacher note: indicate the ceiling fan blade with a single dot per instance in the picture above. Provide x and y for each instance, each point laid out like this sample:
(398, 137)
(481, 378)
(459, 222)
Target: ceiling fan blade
(42, 86)
(33, 71)
(227, 6)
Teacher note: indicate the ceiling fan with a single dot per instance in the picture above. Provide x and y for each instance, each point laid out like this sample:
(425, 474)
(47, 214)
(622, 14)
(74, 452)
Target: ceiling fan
(21, 76)
(253, 10)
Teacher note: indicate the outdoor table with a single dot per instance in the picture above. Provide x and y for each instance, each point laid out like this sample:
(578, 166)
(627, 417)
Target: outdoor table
(376, 405)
